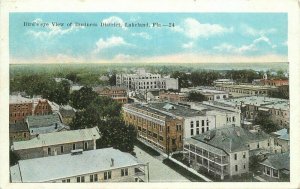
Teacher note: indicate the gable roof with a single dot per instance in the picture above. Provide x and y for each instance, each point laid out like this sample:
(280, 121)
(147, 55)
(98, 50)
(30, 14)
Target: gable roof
(278, 161)
(42, 120)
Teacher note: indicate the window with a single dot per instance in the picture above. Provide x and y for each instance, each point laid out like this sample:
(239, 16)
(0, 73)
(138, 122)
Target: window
(24, 134)
(203, 130)
(91, 178)
(63, 181)
(244, 166)
(235, 156)
(236, 168)
(68, 180)
(49, 151)
(244, 154)
(192, 124)
(95, 177)
(207, 128)
(124, 172)
(258, 145)
(82, 178)
(173, 141)
(197, 131)
(197, 123)
(180, 138)
(233, 119)
(107, 175)
(192, 132)
(85, 145)
(74, 146)
(207, 123)
(202, 123)
(61, 149)
(78, 179)
(275, 173)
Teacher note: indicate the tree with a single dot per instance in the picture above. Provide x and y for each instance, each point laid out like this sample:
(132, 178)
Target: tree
(265, 122)
(82, 98)
(112, 80)
(196, 97)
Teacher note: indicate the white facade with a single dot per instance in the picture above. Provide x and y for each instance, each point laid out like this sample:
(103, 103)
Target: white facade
(142, 80)
(197, 125)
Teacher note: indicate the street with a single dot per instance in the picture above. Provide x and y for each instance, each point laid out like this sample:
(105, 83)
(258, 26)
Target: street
(159, 172)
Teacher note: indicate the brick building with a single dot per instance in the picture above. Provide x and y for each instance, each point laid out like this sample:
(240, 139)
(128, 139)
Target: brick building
(118, 94)
(19, 108)
(52, 144)
(41, 107)
(173, 97)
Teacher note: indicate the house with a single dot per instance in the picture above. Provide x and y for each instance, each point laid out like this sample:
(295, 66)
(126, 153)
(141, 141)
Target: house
(45, 124)
(41, 106)
(225, 151)
(67, 113)
(173, 97)
(277, 167)
(282, 138)
(101, 165)
(57, 143)
(19, 108)
(118, 94)
(18, 132)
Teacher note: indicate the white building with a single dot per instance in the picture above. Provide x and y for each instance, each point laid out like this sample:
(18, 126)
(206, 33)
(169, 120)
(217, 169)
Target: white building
(209, 93)
(101, 165)
(142, 80)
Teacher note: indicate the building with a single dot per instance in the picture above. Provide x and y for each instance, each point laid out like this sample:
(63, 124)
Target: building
(57, 143)
(19, 108)
(141, 80)
(118, 94)
(246, 89)
(41, 106)
(18, 132)
(274, 82)
(278, 109)
(225, 151)
(101, 165)
(173, 97)
(224, 82)
(67, 114)
(209, 93)
(45, 124)
(282, 138)
(277, 167)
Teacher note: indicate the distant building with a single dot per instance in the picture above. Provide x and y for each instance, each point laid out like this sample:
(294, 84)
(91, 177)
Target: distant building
(173, 97)
(118, 94)
(59, 79)
(277, 167)
(224, 81)
(274, 82)
(142, 80)
(278, 109)
(210, 94)
(18, 132)
(103, 78)
(19, 108)
(282, 138)
(57, 143)
(67, 114)
(225, 151)
(45, 124)
(41, 106)
(101, 165)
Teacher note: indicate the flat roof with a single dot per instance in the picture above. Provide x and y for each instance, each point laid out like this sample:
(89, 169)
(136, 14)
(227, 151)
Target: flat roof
(57, 138)
(63, 166)
(17, 99)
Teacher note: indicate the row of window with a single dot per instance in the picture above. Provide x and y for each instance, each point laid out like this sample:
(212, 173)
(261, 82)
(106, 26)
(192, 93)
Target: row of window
(198, 130)
(198, 123)
(236, 156)
(85, 147)
(94, 177)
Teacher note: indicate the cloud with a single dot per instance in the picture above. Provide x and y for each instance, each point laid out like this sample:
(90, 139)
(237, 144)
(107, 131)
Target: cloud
(142, 35)
(228, 48)
(246, 29)
(114, 19)
(188, 45)
(52, 31)
(111, 42)
(193, 29)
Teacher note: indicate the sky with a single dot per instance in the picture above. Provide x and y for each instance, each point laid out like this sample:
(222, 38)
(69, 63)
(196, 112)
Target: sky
(186, 38)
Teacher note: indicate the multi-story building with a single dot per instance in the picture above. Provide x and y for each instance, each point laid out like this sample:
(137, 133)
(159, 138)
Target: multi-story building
(101, 165)
(142, 80)
(19, 108)
(118, 94)
(41, 107)
(67, 114)
(224, 82)
(276, 108)
(246, 89)
(51, 144)
(225, 151)
(282, 138)
(274, 82)
(173, 97)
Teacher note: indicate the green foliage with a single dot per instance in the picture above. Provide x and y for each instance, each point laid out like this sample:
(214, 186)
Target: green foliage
(265, 122)
(82, 98)
(112, 80)
(243, 76)
(281, 92)
(196, 97)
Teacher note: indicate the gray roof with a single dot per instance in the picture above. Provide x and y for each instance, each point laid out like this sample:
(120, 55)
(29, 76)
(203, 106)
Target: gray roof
(18, 127)
(57, 138)
(230, 138)
(42, 120)
(49, 129)
(17, 99)
(63, 166)
(278, 161)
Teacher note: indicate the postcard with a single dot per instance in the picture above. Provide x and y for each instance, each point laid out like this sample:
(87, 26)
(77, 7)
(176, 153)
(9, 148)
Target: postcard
(164, 94)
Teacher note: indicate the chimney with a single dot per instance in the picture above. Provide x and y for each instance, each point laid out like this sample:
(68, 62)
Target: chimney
(111, 162)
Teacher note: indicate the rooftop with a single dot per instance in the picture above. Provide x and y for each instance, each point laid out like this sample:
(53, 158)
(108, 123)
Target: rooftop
(17, 99)
(63, 166)
(42, 120)
(57, 138)
(230, 139)
(18, 127)
(278, 161)
(282, 134)
(56, 127)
